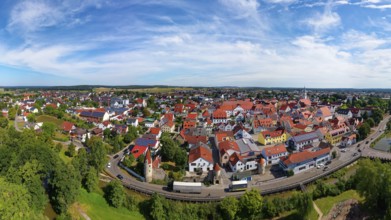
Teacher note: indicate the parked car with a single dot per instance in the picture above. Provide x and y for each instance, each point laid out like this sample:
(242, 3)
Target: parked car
(328, 162)
(116, 156)
(119, 176)
(355, 154)
(325, 168)
(359, 150)
(320, 165)
(108, 165)
(343, 150)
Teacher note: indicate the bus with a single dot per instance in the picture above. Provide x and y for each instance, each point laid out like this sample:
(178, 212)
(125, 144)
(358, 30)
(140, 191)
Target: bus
(187, 187)
(240, 185)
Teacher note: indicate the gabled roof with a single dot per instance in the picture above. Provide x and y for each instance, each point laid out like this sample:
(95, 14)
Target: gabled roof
(138, 150)
(305, 137)
(272, 134)
(67, 126)
(278, 149)
(155, 131)
(304, 156)
(228, 145)
(201, 151)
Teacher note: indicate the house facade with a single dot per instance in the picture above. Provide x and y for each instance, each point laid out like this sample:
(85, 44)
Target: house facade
(302, 161)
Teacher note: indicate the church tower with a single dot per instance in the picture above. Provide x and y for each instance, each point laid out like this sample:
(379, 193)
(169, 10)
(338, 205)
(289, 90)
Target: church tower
(305, 93)
(148, 166)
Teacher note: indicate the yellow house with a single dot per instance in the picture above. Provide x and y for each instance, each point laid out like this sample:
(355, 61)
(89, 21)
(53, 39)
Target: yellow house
(272, 137)
(334, 137)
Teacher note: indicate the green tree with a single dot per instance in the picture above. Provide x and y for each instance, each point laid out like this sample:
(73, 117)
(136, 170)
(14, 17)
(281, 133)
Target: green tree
(251, 204)
(304, 204)
(81, 163)
(131, 135)
(168, 149)
(3, 122)
(48, 129)
(71, 150)
(29, 176)
(364, 130)
(180, 158)
(377, 188)
(15, 202)
(12, 113)
(157, 207)
(115, 194)
(91, 180)
(63, 187)
(31, 118)
(229, 206)
(97, 156)
(371, 122)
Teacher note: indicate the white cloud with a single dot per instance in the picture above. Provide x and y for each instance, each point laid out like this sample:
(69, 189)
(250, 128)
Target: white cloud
(357, 40)
(281, 1)
(323, 22)
(29, 16)
(242, 8)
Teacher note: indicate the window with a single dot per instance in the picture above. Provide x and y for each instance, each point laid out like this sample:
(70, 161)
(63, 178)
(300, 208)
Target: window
(193, 164)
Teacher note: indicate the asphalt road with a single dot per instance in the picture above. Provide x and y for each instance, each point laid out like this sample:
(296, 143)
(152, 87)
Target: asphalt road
(215, 193)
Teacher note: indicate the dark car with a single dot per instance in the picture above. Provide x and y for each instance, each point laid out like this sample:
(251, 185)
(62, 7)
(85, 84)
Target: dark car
(119, 176)
(325, 168)
(328, 162)
(359, 150)
(366, 142)
(116, 156)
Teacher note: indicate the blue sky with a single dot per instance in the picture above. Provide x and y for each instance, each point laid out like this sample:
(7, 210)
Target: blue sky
(266, 43)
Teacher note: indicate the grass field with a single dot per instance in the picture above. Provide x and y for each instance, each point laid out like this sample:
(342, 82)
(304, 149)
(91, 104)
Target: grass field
(325, 204)
(58, 136)
(62, 155)
(48, 118)
(97, 208)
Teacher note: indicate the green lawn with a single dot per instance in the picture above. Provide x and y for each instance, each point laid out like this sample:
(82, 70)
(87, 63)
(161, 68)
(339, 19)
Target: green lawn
(58, 136)
(48, 118)
(11, 123)
(62, 155)
(20, 125)
(325, 204)
(96, 207)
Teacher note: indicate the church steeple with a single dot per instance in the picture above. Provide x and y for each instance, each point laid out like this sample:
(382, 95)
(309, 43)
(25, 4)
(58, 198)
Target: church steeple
(305, 93)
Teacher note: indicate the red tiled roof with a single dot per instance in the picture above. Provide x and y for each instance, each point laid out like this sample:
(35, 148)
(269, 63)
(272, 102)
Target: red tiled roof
(278, 149)
(189, 124)
(155, 131)
(192, 116)
(219, 113)
(272, 134)
(138, 150)
(67, 126)
(148, 157)
(228, 145)
(234, 158)
(220, 136)
(200, 152)
(305, 155)
(169, 116)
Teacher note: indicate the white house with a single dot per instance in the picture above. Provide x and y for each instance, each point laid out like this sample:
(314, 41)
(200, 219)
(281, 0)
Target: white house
(302, 161)
(200, 159)
(272, 155)
(238, 163)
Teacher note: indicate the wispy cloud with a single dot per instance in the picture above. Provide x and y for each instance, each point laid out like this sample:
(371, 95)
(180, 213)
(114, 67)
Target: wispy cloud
(322, 22)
